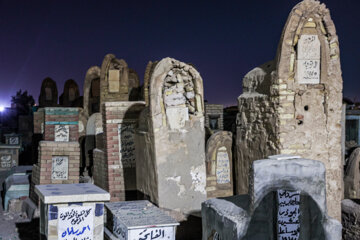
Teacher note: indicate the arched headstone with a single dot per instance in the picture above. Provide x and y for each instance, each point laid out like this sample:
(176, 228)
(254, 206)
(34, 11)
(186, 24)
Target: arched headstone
(175, 145)
(219, 165)
(293, 105)
(70, 94)
(114, 80)
(48, 94)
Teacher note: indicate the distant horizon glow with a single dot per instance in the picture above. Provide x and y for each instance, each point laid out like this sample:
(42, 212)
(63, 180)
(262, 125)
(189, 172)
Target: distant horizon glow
(2, 108)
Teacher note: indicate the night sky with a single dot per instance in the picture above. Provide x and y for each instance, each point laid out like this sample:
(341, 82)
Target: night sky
(224, 40)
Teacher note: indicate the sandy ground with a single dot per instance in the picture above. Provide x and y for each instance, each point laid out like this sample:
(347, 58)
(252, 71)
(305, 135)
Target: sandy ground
(14, 226)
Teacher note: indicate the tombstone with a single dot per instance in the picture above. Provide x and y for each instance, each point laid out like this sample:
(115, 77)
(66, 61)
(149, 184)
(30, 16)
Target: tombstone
(134, 86)
(352, 176)
(292, 104)
(70, 94)
(92, 91)
(118, 159)
(171, 147)
(13, 139)
(16, 185)
(48, 94)
(9, 156)
(59, 151)
(138, 220)
(287, 200)
(214, 117)
(61, 124)
(72, 211)
(219, 167)
(114, 80)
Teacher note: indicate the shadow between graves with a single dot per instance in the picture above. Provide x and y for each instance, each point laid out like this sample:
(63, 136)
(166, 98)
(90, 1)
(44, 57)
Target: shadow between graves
(28, 230)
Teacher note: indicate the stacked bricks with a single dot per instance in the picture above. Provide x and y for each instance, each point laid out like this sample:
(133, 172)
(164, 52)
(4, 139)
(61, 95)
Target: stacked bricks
(45, 120)
(61, 116)
(43, 169)
(214, 110)
(100, 170)
(39, 121)
(115, 113)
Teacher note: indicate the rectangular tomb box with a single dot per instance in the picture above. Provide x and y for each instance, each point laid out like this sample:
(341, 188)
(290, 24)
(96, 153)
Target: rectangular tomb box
(138, 220)
(71, 211)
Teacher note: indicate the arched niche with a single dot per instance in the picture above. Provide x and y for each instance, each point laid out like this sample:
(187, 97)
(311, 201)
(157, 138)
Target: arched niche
(48, 93)
(70, 95)
(176, 94)
(114, 80)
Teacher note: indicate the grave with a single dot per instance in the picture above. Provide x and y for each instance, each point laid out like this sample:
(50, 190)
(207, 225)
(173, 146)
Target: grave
(214, 116)
(13, 139)
(138, 220)
(292, 104)
(117, 170)
(48, 94)
(352, 176)
(16, 185)
(91, 98)
(287, 200)
(114, 80)
(9, 156)
(170, 139)
(219, 166)
(72, 211)
(70, 95)
(59, 151)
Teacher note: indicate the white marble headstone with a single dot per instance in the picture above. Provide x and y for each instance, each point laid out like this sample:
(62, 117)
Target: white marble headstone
(222, 166)
(60, 167)
(76, 222)
(62, 133)
(127, 144)
(308, 59)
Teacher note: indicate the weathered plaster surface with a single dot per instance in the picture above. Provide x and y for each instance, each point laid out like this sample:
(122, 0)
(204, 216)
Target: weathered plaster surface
(302, 118)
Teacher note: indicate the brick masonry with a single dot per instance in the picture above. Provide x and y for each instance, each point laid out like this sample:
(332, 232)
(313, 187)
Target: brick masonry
(61, 116)
(115, 113)
(43, 169)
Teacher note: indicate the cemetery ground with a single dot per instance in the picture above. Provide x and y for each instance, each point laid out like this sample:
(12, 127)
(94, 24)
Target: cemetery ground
(15, 225)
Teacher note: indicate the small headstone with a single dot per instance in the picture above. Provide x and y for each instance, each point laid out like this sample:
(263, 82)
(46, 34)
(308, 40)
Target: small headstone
(288, 215)
(5, 161)
(222, 166)
(60, 168)
(127, 144)
(61, 133)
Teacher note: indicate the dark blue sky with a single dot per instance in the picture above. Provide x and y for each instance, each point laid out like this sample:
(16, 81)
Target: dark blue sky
(223, 39)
